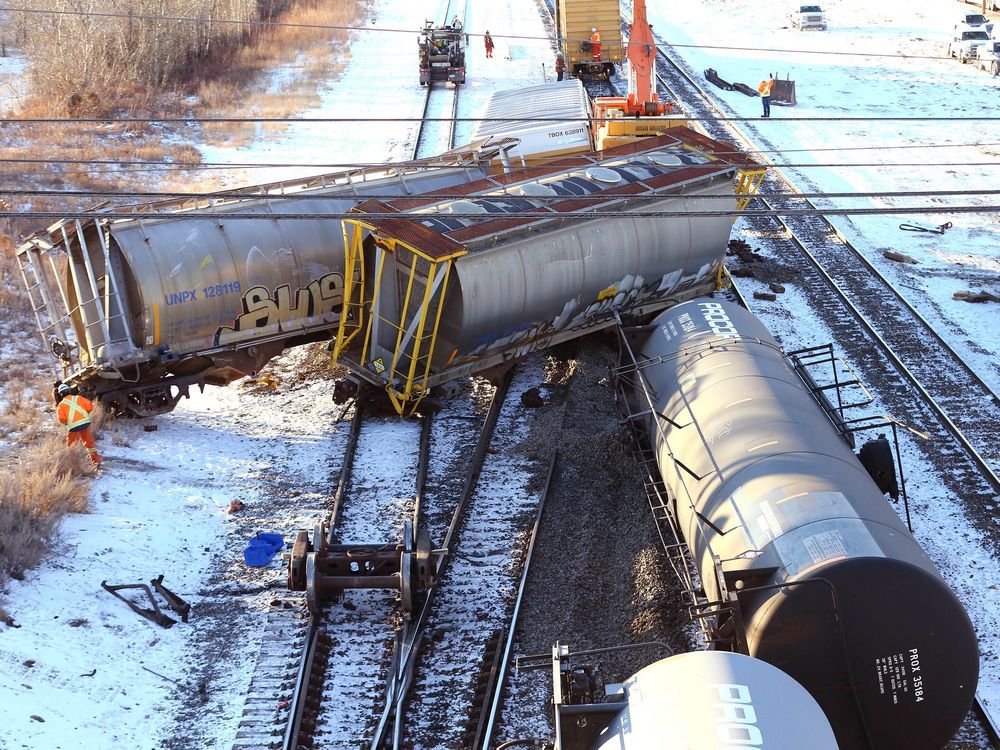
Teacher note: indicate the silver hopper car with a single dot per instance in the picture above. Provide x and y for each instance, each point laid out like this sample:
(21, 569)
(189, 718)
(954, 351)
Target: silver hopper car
(136, 310)
(513, 263)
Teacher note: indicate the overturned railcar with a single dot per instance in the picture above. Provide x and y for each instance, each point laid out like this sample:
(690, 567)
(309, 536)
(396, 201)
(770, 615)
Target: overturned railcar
(440, 287)
(136, 310)
(803, 562)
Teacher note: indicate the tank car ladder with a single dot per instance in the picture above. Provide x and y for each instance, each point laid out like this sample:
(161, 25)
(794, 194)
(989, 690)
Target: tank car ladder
(402, 319)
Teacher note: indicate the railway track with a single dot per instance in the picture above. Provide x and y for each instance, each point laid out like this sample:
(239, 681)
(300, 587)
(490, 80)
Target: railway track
(920, 373)
(318, 672)
(438, 136)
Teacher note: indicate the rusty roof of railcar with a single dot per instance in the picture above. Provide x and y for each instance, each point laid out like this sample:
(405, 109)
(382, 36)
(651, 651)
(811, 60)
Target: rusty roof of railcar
(413, 233)
(440, 234)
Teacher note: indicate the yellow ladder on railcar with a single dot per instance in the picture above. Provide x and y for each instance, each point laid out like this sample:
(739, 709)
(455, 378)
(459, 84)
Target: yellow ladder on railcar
(352, 314)
(411, 313)
(747, 183)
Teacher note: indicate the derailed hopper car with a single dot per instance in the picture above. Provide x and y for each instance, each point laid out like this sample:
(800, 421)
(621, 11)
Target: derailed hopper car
(512, 264)
(804, 564)
(137, 310)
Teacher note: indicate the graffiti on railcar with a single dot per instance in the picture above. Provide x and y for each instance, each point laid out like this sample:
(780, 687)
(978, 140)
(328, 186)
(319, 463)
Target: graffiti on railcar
(320, 301)
(630, 292)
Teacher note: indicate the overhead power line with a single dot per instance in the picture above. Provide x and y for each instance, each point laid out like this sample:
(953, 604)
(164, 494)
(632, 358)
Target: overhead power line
(480, 218)
(389, 165)
(526, 120)
(384, 29)
(445, 195)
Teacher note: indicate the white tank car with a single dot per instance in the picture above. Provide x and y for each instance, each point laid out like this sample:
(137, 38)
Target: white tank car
(508, 266)
(136, 310)
(831, 586)
(715, 700)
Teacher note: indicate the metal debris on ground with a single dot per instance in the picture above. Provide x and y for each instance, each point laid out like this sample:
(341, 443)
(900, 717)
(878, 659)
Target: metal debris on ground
(916, 226)
(744, 89)
(235, 506)
(966, 296)
(776, 288)
(532, 398)
(155, 614)
(766, 296)
(898, 257)
(175, 603)
(713, 77)
(149, 428)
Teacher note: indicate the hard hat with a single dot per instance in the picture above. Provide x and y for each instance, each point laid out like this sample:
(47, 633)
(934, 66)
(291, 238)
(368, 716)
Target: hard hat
(64, 389)
(593, 31)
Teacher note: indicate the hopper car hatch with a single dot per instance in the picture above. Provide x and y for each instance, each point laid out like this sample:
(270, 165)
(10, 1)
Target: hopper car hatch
(441, 50)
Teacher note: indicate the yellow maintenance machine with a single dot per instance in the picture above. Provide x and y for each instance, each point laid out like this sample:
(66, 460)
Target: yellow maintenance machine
(578, 22)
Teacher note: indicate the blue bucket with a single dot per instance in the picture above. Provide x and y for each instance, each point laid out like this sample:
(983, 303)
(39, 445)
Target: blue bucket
(262, 549)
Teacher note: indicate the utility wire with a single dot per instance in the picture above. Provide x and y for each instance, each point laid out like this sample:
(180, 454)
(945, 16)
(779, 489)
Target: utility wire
(521, 37)
(388, 165)
(479, 217)
(5, 121)
(443, 195)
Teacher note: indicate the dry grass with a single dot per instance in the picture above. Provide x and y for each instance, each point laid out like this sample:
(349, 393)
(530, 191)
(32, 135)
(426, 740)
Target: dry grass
(40, 478)
(46, 483)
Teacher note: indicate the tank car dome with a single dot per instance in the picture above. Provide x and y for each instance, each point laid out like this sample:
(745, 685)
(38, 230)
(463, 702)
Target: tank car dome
(716, 699)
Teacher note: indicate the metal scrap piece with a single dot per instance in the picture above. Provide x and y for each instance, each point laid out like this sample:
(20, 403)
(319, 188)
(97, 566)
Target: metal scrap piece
(175, 603)
(154, 614)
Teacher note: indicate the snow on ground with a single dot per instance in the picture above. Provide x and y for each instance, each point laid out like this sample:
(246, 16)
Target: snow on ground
(12, 69)
(160, 506)
(379, 82)
(967, 256)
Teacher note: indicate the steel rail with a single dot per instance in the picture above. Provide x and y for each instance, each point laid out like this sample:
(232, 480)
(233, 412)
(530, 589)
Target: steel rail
(989, 474)
(491, 708)
(989, 721)
(303, 678)
(401, 677)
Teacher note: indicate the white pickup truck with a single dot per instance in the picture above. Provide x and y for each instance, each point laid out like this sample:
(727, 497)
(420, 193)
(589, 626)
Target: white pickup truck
(809, 17)
(965, 42)
(988, 57)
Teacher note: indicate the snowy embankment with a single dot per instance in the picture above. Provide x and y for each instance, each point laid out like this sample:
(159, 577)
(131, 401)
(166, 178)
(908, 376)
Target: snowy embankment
(836, 86)
(868, 155)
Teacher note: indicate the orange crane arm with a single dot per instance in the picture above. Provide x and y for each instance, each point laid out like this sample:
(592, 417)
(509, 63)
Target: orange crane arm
(641, 57)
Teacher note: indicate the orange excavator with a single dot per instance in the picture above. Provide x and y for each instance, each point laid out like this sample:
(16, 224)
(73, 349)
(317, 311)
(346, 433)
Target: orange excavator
(640, 114)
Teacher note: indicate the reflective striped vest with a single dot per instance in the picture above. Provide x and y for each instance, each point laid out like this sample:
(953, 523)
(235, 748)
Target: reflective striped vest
(74, 412)
(596, 37)
(765, 87)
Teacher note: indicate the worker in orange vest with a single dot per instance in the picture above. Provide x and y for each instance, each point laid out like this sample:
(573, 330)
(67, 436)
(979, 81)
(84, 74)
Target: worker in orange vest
(765, 94)
(560, 66)
(595, 44)
(488, 42)
(74, 412)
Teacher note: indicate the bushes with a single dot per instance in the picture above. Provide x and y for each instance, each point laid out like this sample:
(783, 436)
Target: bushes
(81, 58)
(35, 494)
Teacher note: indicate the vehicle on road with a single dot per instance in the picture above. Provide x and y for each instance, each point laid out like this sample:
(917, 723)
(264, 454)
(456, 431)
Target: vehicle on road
(977, 21)
(966, 41)
(809, 17)
(988, 57)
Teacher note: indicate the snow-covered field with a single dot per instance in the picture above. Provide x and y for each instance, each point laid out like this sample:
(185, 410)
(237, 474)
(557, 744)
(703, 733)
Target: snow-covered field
(160, 506)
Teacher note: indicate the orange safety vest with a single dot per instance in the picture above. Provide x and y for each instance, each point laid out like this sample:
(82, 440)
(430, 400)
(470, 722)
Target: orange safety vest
(74, 412)
(765, 87)
(596, 37)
